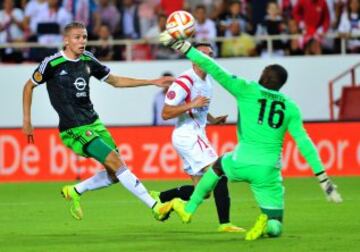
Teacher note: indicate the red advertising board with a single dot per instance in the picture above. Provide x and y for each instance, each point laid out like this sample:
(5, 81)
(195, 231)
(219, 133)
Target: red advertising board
(149, 153)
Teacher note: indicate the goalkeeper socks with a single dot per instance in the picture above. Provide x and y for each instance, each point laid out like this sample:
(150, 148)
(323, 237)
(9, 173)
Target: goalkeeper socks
(182, 192)
(203, 188)
(97, 181)
(133, 184)
(222, 200)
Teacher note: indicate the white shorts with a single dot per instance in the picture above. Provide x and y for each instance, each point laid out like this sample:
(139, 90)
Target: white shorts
(194, 149)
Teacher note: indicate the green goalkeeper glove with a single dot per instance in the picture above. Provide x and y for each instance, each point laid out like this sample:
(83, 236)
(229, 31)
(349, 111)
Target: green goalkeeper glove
(328, 187)
(181, 46)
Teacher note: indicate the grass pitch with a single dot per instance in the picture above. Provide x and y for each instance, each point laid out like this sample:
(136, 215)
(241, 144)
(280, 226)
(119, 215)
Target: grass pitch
(34, 217)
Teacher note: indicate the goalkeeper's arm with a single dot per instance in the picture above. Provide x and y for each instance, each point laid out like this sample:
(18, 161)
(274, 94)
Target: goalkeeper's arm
(309, 152)
(222, 76)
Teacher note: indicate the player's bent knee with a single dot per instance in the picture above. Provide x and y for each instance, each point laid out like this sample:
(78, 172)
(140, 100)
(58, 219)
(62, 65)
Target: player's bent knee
(274, 228)
(111, 174)
(207, 196)
(217, 167)
(113, 161)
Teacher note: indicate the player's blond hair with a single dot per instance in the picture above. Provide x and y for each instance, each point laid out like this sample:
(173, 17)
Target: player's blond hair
(73, 25)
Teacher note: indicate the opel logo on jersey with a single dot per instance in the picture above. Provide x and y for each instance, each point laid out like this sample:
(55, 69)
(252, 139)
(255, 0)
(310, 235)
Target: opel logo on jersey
(80, 84)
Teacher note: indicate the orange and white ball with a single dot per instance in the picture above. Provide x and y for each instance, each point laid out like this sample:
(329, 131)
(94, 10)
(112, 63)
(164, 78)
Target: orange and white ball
(180, 25)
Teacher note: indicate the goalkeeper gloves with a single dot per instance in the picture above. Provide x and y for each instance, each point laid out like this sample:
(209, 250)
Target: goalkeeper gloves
(181, 46)
(328, 187)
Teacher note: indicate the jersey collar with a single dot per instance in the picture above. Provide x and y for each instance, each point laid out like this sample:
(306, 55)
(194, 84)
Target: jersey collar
(198, 77)
(73, 60)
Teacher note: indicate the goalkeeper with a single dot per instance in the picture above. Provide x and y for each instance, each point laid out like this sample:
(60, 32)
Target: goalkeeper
(266, 115)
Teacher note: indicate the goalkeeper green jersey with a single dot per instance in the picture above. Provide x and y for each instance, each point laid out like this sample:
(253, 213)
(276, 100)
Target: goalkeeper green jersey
(264, 116)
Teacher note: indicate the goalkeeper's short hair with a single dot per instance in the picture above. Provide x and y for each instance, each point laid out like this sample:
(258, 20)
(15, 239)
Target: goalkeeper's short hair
(203, 43)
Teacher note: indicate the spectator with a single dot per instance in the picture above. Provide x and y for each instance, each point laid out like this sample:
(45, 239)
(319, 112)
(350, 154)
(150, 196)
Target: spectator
(340, 6)
(205, 29)
(235, 14)
(258, 11)
(11, 30)
(273, 24)
(286, 7)
(211, 5)
(350, 25)
(22, 4)
(55, 15)
(154, 32)
(105, 50)
(313, 47)
(129, 20)
(313, 17)
(240, 43)
(108, 14)
(83, 11)
(49, 29)
(167, 7)
(294, 45)
(158, 105)
(34, 11)
(158, 50)
(147, 15)
(218, 11)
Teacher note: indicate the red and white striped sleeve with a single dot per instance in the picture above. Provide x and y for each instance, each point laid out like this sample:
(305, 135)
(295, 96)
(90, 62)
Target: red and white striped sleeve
(179, 91)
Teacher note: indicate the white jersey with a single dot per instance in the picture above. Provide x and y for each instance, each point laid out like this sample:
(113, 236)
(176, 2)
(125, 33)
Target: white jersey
(183, 90)
(189, 137)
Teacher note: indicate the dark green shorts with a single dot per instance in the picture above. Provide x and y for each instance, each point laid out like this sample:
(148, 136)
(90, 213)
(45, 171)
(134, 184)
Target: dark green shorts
(265, 182)
(79, 137)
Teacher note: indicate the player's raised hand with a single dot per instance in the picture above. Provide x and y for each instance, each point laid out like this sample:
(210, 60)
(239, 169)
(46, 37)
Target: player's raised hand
(28, 130)
(166, 39)
(200, 101)
(164, 81)
(181, 46)
(329, 188)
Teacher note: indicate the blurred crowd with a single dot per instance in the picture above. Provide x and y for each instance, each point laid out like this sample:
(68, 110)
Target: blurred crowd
(241, 22)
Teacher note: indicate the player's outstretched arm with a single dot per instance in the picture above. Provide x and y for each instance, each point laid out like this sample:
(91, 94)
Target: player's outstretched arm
(27, 101)
(170, 112)
(120, 81)
(221, 75)
(309, 152)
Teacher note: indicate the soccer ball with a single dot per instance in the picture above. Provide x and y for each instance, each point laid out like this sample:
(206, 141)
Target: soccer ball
(180, 25)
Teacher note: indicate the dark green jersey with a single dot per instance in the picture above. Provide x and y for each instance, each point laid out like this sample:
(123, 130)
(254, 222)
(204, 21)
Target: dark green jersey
(67, 82)
(264, 118)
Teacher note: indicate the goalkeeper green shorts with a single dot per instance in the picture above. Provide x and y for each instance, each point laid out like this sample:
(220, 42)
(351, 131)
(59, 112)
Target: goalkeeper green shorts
(265, 183)
(79, 137)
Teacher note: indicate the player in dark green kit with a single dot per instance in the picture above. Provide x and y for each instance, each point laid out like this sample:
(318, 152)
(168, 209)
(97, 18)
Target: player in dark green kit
(67, 77)
(265, 115)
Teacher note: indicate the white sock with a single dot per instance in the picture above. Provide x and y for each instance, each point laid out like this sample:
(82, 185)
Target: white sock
(98, 181)
(133, 184)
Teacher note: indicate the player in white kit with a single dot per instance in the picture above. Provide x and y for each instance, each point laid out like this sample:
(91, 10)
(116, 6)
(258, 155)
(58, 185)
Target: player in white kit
(188, 100)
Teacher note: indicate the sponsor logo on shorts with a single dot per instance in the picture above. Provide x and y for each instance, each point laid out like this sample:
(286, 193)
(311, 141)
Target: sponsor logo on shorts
(88, 133)
(171, 95)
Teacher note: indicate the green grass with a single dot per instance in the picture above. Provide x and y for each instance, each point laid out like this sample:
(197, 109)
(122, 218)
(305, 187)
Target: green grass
(33, 217)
